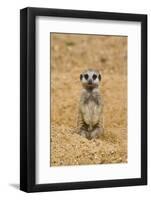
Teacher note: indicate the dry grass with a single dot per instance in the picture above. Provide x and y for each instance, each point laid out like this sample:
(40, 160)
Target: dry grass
(71, 54)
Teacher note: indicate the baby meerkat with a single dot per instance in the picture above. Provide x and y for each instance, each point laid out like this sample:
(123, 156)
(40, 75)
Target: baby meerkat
(90, 118)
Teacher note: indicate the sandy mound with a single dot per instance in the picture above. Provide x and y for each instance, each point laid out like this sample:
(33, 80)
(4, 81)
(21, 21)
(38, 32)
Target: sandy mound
(72, 149)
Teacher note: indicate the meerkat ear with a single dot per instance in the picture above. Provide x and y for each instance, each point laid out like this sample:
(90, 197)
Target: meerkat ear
(100, 77)
(81, 76)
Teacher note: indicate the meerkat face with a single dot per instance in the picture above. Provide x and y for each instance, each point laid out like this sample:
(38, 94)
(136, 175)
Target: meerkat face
(90, 78)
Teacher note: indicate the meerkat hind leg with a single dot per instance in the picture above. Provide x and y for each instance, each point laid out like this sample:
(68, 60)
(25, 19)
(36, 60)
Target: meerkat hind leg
(96, 133)
(83, 133)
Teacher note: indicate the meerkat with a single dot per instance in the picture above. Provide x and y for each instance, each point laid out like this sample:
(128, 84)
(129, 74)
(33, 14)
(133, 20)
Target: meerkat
(90, 116)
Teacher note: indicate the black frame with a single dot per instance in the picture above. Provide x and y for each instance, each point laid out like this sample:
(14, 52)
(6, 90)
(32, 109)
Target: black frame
(27, 99)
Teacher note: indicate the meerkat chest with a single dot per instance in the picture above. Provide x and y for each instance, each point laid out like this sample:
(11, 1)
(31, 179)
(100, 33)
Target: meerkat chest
(92, 105)
(91, 109)
(92, 99)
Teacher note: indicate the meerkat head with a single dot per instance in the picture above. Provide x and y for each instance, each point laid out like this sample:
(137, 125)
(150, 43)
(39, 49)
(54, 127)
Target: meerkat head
(90, 78)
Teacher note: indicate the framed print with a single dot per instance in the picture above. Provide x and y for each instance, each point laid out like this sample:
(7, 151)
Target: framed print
(83, 99)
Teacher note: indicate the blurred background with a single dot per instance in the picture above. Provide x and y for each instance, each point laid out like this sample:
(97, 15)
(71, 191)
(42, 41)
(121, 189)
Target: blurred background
(70, 55)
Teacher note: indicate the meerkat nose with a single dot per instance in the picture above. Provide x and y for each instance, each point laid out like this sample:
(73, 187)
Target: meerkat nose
(90, 81)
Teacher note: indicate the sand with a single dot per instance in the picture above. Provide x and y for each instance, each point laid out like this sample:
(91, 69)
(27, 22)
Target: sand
(70, 55)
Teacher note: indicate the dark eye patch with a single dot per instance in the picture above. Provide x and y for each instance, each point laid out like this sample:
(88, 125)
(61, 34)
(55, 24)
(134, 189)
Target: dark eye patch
(81, 76)
(99, 77)
(94, 76)
(86, 76)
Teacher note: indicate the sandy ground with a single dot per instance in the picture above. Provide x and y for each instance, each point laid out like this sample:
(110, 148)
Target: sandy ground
(70, 55)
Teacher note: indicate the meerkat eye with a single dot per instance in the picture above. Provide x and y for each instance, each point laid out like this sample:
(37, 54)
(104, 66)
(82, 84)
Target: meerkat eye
(86, 76)
(94, 76)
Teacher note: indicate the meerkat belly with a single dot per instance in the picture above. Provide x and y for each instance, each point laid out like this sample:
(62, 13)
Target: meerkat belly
(91, 115)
